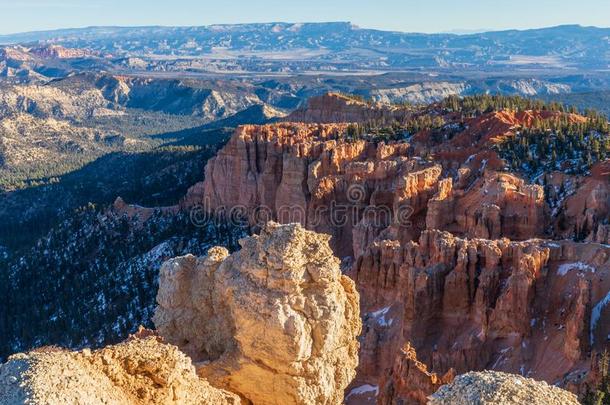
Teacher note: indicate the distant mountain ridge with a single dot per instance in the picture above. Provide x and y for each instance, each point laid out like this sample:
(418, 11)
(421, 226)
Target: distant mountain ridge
(560, 46)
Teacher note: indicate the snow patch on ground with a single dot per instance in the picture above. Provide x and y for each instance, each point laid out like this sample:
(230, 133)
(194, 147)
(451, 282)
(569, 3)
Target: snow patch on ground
(158, 252)
(501, 358)
(363, 389)
(566, 268)
(596, 313)
(380, 317)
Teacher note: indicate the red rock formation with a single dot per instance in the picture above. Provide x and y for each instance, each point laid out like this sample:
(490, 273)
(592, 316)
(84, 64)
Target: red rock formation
(304, 173)
(471, 304)
(495, 126)
(137, 213)
(467, 298)
(471, 148)
(410, 380)
(586, 213)
(495, 205)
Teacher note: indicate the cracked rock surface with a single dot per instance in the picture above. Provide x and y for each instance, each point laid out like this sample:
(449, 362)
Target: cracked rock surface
(136, 372)
(497, 388)
(275, 322)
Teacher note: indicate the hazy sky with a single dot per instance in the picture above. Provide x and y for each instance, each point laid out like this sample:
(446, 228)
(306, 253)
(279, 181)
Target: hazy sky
(400, 15)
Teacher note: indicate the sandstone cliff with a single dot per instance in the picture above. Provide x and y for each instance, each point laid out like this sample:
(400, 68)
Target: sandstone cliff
(275, 322)
(495, 205)
(483, 294)
(586, 213)
(470, 304)
(307, 173)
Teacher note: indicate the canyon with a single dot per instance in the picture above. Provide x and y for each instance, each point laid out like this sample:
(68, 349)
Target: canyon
(411, 252)
(304, 213)
(275, 322)
(459, 260)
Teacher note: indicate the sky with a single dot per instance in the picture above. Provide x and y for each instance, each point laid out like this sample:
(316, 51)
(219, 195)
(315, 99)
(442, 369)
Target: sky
(397, 15)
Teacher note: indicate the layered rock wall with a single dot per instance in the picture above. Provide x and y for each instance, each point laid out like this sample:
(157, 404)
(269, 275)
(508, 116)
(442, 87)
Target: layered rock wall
(307, 173)
(494, 206)
(454, 268)
(472, 304)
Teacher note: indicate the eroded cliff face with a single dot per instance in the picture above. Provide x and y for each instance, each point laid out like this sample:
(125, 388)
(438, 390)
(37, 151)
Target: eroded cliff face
(275, 322)
(466, 264)
(308, 173)
(471, 304)
(586, 212)
(495, 205)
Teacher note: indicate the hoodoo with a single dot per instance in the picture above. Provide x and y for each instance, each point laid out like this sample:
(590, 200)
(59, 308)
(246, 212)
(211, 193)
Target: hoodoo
(275, 322)
(453, 255)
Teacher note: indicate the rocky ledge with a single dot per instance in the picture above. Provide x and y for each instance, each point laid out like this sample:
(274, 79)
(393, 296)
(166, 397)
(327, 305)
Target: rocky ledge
(142, 370)
(496, 388)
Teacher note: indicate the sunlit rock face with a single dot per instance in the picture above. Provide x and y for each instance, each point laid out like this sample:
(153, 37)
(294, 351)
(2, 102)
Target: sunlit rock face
(483, 269)
(141, 370)
(275, 322)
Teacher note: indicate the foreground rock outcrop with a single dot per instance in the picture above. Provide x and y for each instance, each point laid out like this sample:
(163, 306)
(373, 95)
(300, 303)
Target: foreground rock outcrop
(495, 388)
(275, 322)
(140, 371)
